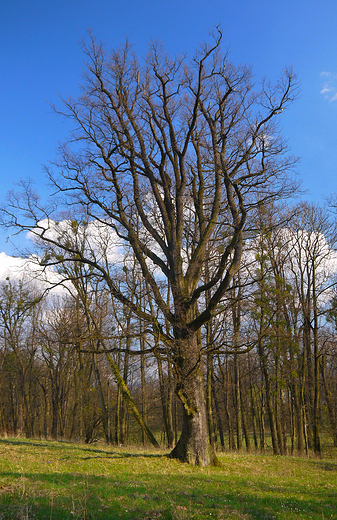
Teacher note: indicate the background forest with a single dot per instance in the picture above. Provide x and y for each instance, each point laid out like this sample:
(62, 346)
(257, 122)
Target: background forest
(76, 364)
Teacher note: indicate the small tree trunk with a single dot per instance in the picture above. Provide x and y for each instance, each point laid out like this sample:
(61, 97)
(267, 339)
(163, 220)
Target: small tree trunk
(218, 415)
(143, 380)
(317, 442)
(237, 403)
(231, 438)
(292, 421)
(245, 423)
(45, 410)
(278, 401)
(175, 422)
(118, 417)
(54, 425)
(98, 382)
(329, 402)
(309, 385)
(169, 404)
(13, 410)
(253, 406)
(296, 392)
(270, 408)
(262, 425)
(124, 402)
(167, 410)
(210, 420)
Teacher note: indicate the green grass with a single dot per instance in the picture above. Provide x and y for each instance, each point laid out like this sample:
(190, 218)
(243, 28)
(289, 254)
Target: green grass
(54, 480)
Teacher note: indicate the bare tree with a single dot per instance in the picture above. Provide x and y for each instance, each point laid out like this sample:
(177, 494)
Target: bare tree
(312, 269)
(19, 311)
(171, 158)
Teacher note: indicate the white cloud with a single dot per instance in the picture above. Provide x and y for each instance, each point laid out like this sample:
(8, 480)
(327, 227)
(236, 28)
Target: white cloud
(329, 88)
(94, 238)
(30, 271)
(10, 266)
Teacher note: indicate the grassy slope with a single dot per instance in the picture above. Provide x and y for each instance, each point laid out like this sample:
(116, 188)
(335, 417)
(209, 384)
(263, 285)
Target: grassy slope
(50, 480)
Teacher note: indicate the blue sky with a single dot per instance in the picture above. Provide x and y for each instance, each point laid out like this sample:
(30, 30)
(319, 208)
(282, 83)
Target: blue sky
(40, 56)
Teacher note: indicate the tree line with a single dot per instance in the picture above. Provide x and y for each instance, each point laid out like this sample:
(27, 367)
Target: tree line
(80, 366)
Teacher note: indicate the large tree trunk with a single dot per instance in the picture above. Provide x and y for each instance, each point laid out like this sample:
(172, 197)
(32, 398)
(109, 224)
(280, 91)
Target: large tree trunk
(193, 446)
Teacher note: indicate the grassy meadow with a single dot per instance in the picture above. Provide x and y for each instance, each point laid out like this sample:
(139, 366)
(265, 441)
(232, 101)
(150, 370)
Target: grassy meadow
(47, 480)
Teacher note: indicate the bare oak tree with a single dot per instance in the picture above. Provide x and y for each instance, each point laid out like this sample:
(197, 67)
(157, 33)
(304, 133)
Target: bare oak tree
(172, 158)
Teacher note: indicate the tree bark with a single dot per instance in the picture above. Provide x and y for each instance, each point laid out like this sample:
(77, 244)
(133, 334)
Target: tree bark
(193, 446)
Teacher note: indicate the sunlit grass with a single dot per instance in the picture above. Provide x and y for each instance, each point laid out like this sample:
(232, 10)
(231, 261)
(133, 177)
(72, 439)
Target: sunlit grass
(51, 480)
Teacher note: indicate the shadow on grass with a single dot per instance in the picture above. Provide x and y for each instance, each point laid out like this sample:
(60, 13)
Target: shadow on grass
(67, 446)
(324, 465)
(60, 496)
(116, 455)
